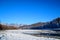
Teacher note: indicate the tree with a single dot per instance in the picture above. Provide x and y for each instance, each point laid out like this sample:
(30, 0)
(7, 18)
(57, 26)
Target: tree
(1, 27)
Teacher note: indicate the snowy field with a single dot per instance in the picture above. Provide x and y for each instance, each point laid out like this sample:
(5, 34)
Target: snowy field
(18, 35)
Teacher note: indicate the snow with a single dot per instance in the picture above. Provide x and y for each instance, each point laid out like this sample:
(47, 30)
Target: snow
(18, 35)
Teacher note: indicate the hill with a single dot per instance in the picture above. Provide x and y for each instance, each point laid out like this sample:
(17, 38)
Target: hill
(55, 23)
(51, 25)
(5, 27)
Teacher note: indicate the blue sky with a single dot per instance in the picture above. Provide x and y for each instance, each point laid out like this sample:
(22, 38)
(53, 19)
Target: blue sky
(28, 11)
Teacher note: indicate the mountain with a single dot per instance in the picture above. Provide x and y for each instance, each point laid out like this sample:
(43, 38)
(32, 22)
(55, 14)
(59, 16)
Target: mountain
(52, 25)
(32, 25)
(55, 23)
(6, 27)
(57, 20)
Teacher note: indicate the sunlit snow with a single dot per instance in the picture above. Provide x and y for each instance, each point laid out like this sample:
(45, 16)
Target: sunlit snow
(18, 35)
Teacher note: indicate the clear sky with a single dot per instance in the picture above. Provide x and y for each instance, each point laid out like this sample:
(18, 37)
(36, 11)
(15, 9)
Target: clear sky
(28, 11)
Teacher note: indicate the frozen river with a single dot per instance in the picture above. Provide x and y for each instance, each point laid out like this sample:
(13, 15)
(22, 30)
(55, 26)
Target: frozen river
(18, 35)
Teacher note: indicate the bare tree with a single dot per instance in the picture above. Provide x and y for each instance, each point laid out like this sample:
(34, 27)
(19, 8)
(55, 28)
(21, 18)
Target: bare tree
(1, 27)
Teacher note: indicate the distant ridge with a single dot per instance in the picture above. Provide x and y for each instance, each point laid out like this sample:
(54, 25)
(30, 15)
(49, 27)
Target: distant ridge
(5, 27)
(55, 23)
(57, 20)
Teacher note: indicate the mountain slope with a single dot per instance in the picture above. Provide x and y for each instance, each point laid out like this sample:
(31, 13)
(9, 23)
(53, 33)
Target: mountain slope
(50, 25)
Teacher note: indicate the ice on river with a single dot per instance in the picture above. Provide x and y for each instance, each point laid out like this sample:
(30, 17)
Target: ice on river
(13, 35)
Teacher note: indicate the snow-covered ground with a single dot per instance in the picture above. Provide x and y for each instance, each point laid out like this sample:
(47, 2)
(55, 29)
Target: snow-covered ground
(18, 35)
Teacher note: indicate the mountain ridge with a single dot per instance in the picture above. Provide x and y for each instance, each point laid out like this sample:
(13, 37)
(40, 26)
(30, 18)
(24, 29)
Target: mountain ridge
(55, 23)
(50, 24)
